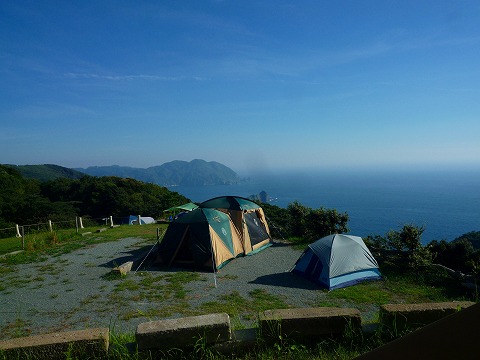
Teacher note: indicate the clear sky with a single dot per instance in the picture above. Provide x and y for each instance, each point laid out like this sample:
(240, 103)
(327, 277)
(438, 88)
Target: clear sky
(274, 84)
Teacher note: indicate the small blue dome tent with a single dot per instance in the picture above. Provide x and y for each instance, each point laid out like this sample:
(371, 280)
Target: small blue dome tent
(337, 261)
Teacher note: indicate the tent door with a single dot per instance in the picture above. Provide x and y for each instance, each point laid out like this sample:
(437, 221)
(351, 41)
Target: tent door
(182, 241)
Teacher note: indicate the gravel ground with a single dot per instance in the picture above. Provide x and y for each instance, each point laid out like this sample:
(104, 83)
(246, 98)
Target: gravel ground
(76, 290)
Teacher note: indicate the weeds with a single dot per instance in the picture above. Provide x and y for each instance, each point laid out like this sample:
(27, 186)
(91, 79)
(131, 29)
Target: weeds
(39, 244)
(20, 327)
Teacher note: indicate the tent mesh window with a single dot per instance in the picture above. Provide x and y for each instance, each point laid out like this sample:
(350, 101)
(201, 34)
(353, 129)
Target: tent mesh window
(256, 230)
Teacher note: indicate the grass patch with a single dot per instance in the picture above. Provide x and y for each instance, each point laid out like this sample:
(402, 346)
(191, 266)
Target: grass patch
(89, 299)
(166, 292)
(18, 283)
(399, 287)
(148, 280)
(147, 232)
(39, 245)
(175, 283)
(127, 285)
(238, 307)
(113, 276)
(265, 301)
(11, 244)
(51, 269)
(299, 243)
(5, 270)
(18, 328)
(365, 293)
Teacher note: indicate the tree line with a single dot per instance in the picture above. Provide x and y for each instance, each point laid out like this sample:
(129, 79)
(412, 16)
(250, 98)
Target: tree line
(28, 201)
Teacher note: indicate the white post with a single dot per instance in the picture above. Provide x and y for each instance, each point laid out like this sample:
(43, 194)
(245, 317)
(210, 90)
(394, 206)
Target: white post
(139, 219)
(50, 225)
(111, 221)
(80, 223)
(18, 231)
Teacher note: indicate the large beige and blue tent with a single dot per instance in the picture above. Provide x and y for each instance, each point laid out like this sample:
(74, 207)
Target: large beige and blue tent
(200, 238)
(248, 217)
(337, 261)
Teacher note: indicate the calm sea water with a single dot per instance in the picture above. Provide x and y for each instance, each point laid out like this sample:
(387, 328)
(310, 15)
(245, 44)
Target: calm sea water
(447, 203)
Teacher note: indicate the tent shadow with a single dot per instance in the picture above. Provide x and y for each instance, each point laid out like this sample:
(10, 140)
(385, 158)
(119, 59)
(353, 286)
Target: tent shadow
(278, 243)
(174, 269)
(135, 255)
(285, 279)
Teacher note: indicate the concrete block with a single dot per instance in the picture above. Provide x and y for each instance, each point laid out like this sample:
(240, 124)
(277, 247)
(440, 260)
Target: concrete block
(399, 317)
(308, 322)
(72, 344)
(101, 230)
(183, 332)
(124, 269)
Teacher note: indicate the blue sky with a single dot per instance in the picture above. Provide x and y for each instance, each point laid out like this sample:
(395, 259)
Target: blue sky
(250, 84)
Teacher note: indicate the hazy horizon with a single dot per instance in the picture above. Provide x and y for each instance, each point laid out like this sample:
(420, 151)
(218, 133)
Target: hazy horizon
(259, 173)
(252, 84)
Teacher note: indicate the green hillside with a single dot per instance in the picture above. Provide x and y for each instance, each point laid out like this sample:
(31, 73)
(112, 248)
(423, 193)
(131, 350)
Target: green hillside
(46, 172)
(30, 201)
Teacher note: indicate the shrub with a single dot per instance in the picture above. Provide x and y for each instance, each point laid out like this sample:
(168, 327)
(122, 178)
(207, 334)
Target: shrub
(299, 221)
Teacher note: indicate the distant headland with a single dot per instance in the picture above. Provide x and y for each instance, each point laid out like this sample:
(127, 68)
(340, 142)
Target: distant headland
(175, 173)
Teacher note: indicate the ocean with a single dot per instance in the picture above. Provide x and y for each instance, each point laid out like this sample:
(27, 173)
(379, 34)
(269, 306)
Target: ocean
(446, 203)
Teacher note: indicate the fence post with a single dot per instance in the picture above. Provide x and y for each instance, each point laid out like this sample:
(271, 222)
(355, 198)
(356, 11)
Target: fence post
(80, 222)
(18, 231)
(139, 220)
(111, 221)
(76, 224)
(23, 237)
(50, 227)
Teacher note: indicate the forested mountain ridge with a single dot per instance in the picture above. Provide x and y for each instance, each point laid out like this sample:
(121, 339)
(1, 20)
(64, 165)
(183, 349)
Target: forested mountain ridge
(28, 201)
(193, 173)
(46, 172)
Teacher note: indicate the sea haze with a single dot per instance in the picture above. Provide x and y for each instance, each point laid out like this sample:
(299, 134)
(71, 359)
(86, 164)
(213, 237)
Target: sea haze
(446, 202)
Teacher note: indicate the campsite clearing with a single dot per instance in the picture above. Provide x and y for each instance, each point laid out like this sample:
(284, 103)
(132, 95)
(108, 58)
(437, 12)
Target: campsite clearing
(76, 290)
